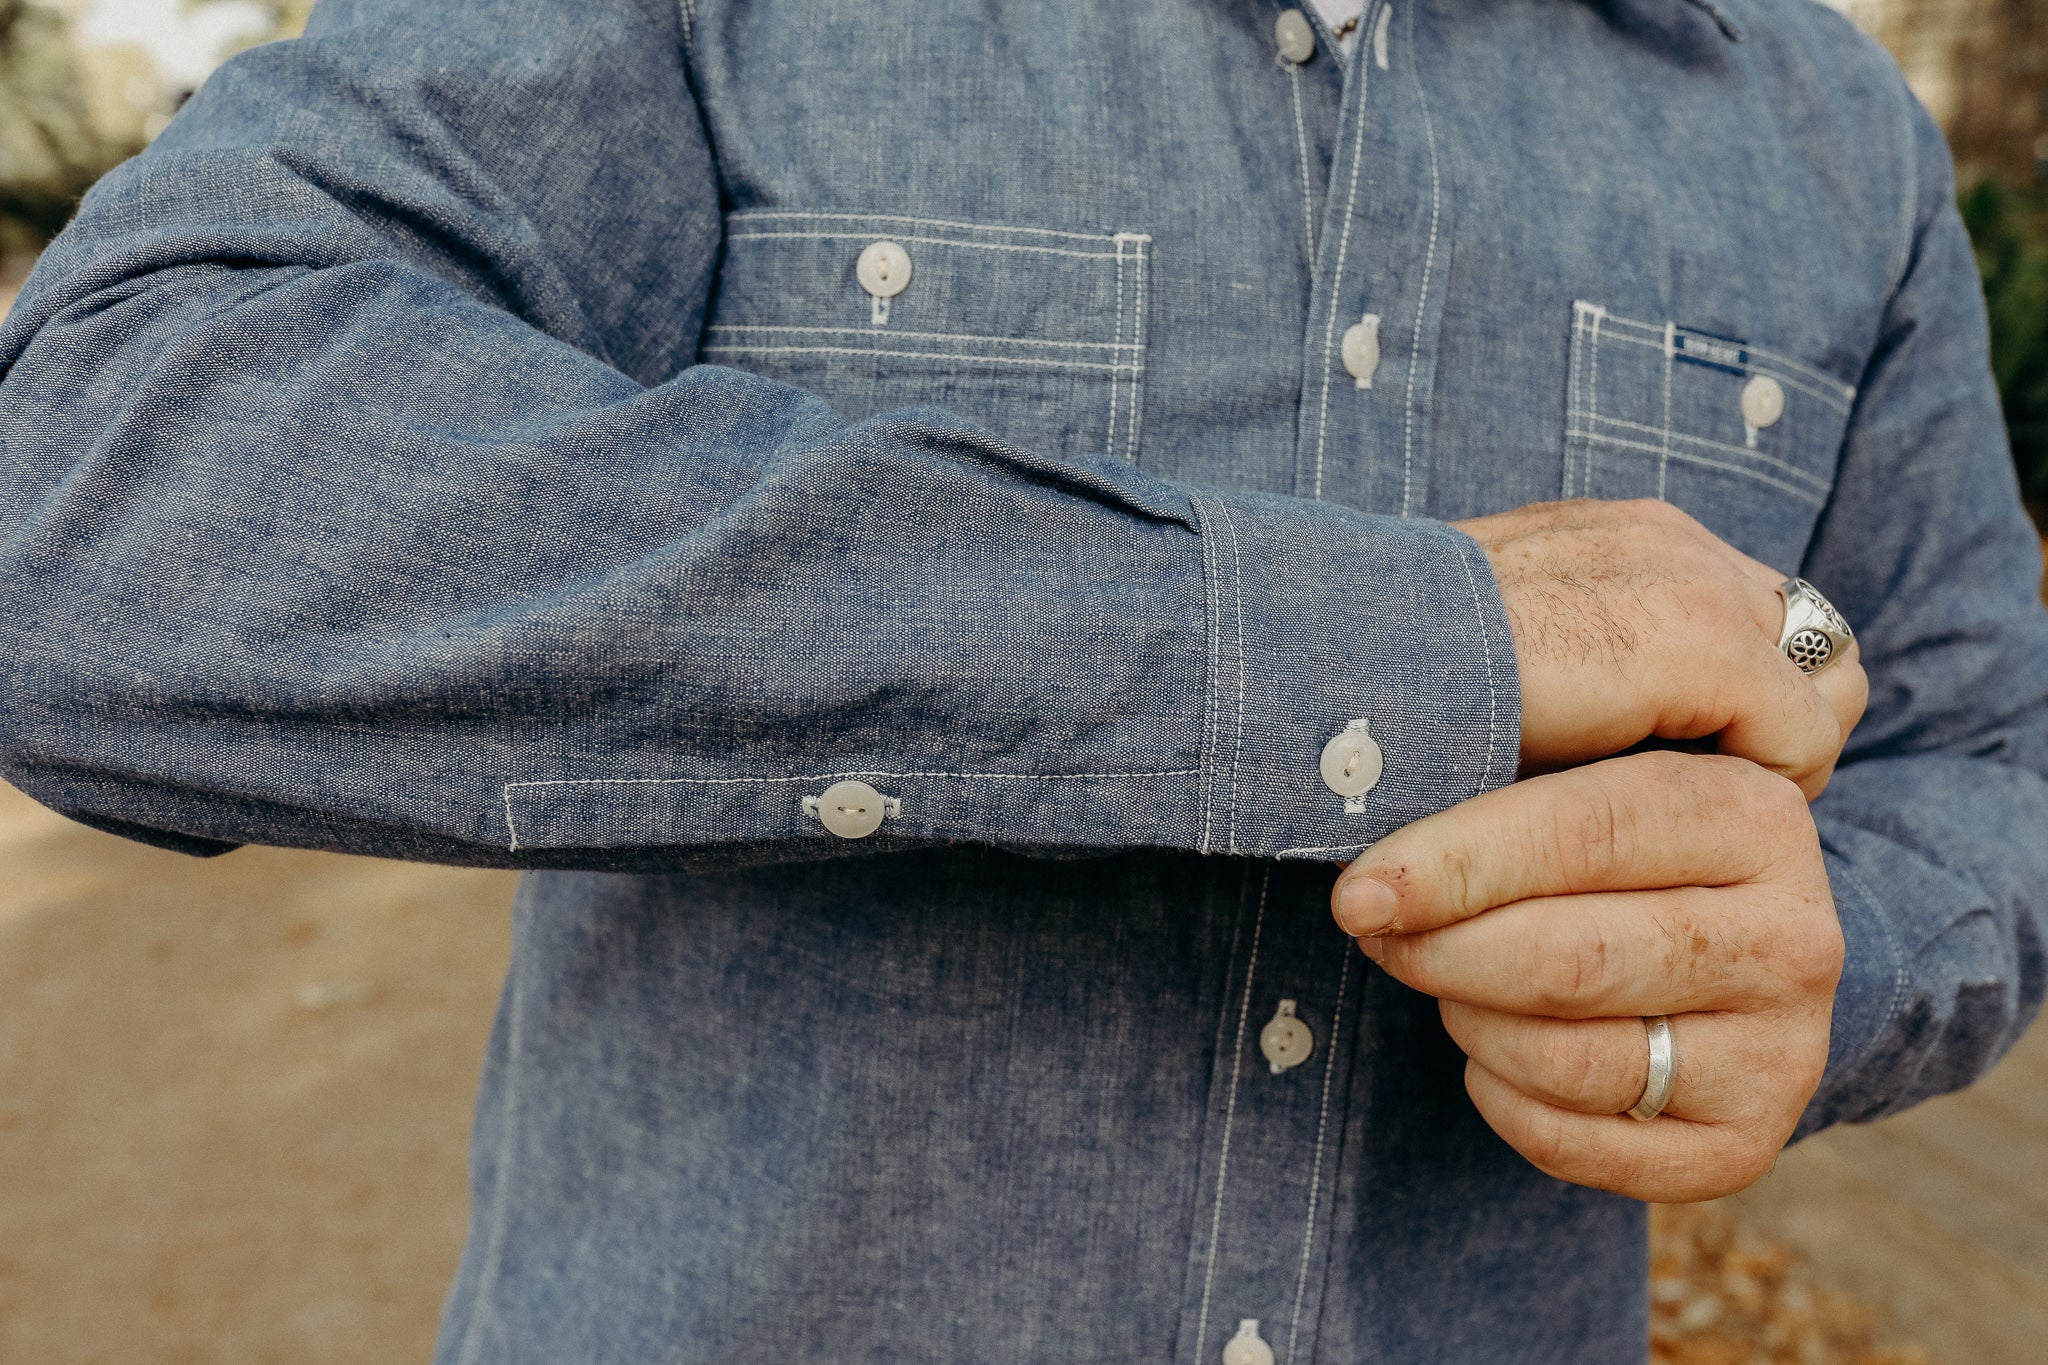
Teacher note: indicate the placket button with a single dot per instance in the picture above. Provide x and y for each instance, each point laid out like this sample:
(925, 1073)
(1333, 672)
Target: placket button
(1351, 761)
(883, 269)
(1763, 401)
(1285, 1040)
(1295, 36)
(1362, 349)
(1247, 1347)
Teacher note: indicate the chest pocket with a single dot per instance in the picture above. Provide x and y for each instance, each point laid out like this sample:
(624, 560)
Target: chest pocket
(1037, 335)
(1744, 439)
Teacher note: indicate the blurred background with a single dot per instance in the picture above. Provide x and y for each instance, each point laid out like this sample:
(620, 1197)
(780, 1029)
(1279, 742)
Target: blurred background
(234, 1094)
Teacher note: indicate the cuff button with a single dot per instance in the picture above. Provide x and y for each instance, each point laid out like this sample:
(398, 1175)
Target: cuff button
(1351, 761)
(851, 810)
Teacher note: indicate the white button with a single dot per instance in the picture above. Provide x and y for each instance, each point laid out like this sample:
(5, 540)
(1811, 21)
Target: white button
(1285, 1040)
(1362, 349)
(1247, 1347)
(1763, 401)
(851, 810)
(884, 269)
(1351, 761)
(1295, 36)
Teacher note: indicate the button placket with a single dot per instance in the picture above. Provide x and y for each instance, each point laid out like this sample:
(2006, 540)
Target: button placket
(1277, 1089)
(1369, 348)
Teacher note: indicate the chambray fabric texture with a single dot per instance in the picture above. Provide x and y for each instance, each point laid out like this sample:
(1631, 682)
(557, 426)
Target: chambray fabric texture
(463, 436)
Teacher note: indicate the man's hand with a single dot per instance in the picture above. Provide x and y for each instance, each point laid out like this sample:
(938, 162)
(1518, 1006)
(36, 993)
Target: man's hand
(1632, 620)
(1549, 917)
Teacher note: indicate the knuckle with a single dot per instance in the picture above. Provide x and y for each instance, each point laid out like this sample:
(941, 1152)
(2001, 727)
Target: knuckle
(1580, 1069)
(1459, 1023)
(1813, 953)
(1661, 513)
(1858, 684)
(1456, 876)
(1594, 834)
(1743, 1159)
(1711, 1178)
(1571, 971)
(1411, 959)
(1760, 798)
(1548, 1143)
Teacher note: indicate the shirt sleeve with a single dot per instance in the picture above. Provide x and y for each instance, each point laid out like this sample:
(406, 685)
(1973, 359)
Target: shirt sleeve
(1936, 825)
(360, 492)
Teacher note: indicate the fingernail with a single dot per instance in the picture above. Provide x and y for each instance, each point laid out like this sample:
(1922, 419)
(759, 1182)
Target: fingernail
(1364, 906)
(1372, 946)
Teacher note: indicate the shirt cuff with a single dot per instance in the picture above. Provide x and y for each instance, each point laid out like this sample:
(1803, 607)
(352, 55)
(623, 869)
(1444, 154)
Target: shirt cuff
(1858, 1084)
(1326, 622)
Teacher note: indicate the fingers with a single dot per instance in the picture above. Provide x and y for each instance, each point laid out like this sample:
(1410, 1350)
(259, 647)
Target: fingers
(1641, 821)
(1765, 710)
(1589, 1066)
(1624, 953)
(1667, 1160)
(1602, 1066)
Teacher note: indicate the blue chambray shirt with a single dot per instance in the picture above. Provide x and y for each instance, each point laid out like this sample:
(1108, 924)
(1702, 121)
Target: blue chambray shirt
(470, 434)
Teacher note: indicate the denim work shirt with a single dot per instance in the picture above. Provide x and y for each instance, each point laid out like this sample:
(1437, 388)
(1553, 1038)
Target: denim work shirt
(578, 436)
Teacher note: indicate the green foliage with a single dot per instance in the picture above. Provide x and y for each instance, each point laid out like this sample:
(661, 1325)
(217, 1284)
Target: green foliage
(2010, 231)
(50, 151)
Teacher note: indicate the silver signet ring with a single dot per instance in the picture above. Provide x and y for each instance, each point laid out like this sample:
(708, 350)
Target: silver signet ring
(1815, 635)
(1663, 1069)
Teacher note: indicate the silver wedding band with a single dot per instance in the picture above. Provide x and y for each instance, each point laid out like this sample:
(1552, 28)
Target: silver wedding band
(1814, 635)
(1663, 1069)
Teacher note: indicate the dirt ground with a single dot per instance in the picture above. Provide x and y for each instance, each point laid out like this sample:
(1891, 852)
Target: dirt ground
(233, 1098)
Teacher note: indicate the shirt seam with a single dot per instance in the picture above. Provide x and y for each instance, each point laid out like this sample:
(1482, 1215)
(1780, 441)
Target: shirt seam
(747, 215)
(924, 241)
(1237, 742)
(1436, 204)
(512, 826)
(1212, 594)
(1229, 1118)
(1308, 211)
(1315, 1179)
(1115, 368)
(1486, 774)
(896, 334)
(1337, 275)
(1901, 978)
